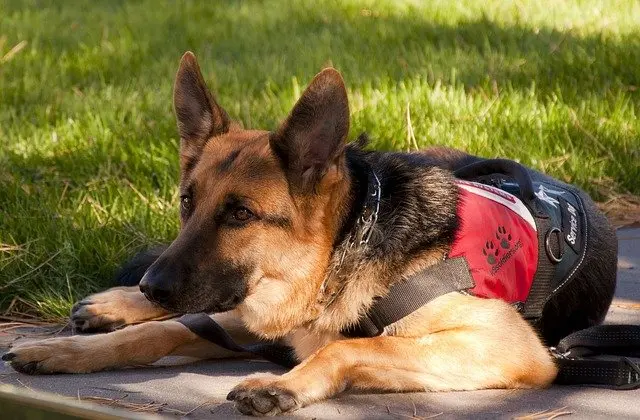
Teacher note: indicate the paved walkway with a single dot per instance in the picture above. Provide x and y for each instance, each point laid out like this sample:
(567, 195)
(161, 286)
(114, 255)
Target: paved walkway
(204, 385)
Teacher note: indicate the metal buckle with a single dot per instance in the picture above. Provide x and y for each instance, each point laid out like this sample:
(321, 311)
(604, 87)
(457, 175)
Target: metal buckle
(555, 353)
(633, 383)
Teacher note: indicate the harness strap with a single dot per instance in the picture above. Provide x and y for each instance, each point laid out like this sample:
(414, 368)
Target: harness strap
(202, 325)
(488, 167)
(621, 340)
(619, 374)
(601, 340)
(406, 297)
(542, 285)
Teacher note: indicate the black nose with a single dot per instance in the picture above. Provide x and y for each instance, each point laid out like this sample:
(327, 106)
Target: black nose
(154, 290)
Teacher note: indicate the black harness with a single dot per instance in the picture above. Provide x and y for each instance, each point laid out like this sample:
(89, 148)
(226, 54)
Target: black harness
(561, 224)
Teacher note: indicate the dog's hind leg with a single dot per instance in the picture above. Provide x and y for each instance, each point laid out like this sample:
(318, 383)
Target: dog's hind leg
(114, 308)
(473, 344)
(136, 345)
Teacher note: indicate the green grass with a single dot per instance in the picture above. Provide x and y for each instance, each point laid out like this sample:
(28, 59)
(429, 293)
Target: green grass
(88, 147)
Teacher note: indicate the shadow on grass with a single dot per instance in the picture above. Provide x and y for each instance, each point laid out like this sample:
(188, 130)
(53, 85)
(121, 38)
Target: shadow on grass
(60, 237)
(249, 50)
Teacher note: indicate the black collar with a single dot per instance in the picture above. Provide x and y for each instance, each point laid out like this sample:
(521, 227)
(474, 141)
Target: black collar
(361, 231)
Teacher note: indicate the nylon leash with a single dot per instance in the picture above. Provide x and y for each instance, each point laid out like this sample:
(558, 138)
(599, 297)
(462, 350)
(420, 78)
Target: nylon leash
(202, 325)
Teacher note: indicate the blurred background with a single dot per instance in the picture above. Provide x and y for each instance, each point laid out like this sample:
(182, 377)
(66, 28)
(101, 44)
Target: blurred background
(88, 144)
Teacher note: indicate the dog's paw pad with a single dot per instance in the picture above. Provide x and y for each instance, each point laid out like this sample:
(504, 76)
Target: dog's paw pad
(267, 401)
(504, 237)
(22, 366)
(29, 368)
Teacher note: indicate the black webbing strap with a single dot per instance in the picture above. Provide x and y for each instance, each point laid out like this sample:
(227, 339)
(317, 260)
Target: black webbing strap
(601, 340)
(502, 166)
(621, 340)
(619, 374)
(407, 296)
(205, 327)
(542, 284)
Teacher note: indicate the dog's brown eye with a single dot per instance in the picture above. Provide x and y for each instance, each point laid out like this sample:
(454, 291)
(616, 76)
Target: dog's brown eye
(242, 214)
(185, 203)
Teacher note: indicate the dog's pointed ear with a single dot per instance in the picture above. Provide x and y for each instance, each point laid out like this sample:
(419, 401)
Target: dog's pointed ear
(314, 134)
(198, 115)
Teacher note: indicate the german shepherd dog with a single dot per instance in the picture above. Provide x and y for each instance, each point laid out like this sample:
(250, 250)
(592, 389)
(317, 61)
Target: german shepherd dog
(265, 218)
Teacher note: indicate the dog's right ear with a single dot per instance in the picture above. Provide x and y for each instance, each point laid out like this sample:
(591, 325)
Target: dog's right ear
(199, 116)
(313, 137)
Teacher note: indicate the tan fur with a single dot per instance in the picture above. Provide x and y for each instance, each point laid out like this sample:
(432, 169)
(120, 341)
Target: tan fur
(136, 345)
(456, 342)
(284, 272)
(471, 343)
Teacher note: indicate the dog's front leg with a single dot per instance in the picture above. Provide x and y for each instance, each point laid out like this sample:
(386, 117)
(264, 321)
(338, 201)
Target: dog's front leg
(136, 345)
(486, 351)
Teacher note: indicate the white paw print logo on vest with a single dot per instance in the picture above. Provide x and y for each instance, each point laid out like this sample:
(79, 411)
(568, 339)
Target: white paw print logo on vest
(543, 194)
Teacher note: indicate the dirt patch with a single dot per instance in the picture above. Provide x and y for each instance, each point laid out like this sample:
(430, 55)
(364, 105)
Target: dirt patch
(622, 210)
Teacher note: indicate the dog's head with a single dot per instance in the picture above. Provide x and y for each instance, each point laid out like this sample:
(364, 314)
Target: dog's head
(259, 210)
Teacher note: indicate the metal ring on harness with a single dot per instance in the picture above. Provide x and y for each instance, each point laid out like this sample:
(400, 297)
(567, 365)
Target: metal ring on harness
(547, 245)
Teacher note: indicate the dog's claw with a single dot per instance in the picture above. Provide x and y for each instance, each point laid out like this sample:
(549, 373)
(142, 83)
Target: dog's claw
(7, 357)
(29, 368)
(78, 305)
(78, 319)
(87, 317)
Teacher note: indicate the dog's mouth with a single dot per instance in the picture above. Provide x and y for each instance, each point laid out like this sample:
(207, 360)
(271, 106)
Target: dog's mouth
(185, 305)
(227, 305)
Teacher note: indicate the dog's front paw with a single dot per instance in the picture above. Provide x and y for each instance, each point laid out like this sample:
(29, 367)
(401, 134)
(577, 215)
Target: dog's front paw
(89, 316)
(56, 355)
(259, 397)
(112, 309)
(105, 311)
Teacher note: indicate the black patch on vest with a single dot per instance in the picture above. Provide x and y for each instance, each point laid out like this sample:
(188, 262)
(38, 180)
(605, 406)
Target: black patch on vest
(571, 225)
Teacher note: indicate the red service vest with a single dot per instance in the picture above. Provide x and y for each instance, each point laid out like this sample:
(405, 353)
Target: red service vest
(498, 238)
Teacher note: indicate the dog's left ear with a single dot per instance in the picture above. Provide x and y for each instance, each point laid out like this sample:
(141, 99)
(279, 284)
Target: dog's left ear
(198, 114)
(313, 137)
